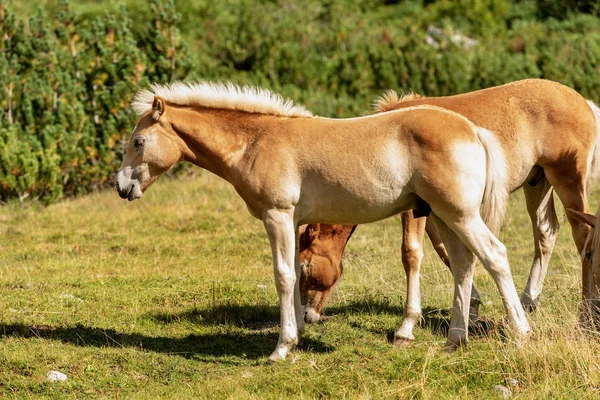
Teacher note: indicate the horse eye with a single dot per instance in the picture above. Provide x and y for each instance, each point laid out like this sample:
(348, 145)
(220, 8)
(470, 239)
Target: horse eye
(138, 143)
(588, 255)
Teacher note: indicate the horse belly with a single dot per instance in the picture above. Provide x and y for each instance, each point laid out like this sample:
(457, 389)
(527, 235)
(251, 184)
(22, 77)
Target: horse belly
(354, 203)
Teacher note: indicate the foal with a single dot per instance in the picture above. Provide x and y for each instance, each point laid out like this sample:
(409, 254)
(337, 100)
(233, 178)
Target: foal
(284, 164)
(549, 135)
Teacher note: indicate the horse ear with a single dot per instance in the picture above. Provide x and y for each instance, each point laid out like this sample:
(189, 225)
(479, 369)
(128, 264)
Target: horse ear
(588, 219)
(158, 108)
(313, 231)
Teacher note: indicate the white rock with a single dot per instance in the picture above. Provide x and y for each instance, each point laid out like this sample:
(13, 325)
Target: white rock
(55, 376)
(502, 391)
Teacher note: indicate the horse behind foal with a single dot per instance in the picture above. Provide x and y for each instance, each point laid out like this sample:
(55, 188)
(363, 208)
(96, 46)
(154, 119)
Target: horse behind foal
(550, 135)
(321, 249)
(283, 162)
(591, 254)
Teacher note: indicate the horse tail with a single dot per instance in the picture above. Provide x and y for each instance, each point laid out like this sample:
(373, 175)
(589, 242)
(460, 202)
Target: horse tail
(495, 196)
(594, 163)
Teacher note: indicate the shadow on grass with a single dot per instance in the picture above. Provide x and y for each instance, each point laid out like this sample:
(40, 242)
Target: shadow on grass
(253, 341)
(436, 320)
(240, 315)
(251, 345)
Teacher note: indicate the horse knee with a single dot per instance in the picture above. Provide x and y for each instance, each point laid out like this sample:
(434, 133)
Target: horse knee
(412, 255)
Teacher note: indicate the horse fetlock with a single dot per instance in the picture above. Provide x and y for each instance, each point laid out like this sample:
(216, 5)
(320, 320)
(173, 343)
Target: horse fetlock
(404, 334)
(456, 338)
(452, 344)
(402, 341)
(413, 315)
(529, 302)
(283, 349)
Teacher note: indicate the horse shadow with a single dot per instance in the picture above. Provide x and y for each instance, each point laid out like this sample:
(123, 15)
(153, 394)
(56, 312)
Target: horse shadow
(436, 320)
(257, 338)
(255, 341)
(248, 316)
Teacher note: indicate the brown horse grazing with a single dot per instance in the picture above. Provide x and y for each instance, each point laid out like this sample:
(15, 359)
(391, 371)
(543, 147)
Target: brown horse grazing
(321, 249)
(284, 164)
(549, 135)
(589, 255)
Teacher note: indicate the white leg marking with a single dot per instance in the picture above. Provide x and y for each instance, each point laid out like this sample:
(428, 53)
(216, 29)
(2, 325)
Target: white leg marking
(282, 233)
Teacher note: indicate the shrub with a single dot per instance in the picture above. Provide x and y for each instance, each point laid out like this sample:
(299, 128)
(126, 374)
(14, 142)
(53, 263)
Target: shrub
(68, 77)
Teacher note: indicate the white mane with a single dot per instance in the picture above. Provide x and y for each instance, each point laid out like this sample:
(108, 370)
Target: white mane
(219, 95)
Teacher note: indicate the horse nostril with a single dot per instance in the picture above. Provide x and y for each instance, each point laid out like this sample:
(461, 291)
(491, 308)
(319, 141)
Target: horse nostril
(310, 316)
(122, 193)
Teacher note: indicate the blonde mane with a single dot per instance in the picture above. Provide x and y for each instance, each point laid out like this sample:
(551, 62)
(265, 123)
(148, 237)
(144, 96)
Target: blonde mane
(219, 95)
(388, 100)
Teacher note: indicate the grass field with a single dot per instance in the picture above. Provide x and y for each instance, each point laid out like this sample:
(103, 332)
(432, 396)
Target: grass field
(172, 296)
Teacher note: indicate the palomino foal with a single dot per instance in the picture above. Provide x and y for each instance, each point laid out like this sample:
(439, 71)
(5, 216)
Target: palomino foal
(550, 137)
(284, 164)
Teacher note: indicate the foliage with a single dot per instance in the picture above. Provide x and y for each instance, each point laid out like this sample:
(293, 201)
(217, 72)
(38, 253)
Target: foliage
(67, 84)
(69, 72)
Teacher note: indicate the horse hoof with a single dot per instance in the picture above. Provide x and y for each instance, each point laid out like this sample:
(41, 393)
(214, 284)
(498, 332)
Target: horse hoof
(529, 305)
(403, 341)
(451, 347)
(277, 356)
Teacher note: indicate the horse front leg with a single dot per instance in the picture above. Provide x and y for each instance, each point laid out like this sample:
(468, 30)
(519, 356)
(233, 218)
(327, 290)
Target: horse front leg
(283, 236)
(413, 230)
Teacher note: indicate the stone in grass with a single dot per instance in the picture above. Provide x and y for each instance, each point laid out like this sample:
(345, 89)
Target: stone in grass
(55, 376)
(502, 391)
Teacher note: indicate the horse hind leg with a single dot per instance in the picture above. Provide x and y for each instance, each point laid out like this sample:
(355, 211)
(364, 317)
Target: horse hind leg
(438, 245)
(540, 206)
(463, 265)
(413, 230)
(473, 232)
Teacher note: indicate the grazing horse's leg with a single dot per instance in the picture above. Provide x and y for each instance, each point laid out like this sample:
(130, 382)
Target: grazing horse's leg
(540, 206)
(438, 245)
(463, 266)
(283, 236)
(572, 194)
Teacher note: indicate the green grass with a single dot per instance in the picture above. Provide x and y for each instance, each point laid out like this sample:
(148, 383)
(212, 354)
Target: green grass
(172, 296)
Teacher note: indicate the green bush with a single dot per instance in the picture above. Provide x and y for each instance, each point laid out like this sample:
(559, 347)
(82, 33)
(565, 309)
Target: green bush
(68, 73)
(67, 88)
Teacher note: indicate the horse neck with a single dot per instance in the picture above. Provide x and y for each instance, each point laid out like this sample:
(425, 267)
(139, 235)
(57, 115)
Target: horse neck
(215, 140)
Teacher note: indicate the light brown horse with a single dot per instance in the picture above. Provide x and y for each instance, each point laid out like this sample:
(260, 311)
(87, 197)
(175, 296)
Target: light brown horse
(284, 164)
(549, 135)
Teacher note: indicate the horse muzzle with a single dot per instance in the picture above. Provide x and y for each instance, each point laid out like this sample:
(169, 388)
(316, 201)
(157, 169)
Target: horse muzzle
(128, 188)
